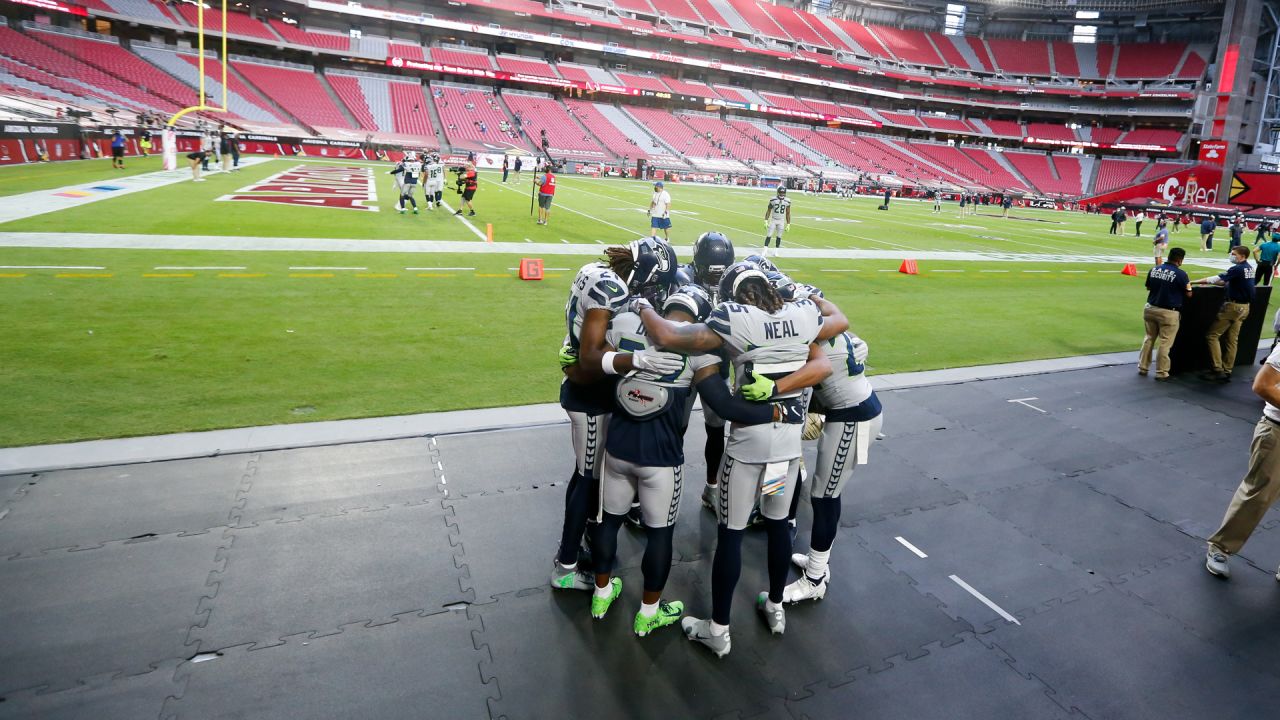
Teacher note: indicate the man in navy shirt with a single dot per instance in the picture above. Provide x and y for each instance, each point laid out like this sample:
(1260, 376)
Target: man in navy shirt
(1238, 281)
(117, 150)
(1207, 226)
(1167, 285)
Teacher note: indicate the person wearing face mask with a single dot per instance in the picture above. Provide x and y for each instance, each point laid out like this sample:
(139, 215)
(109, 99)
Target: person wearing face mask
(1225, 330)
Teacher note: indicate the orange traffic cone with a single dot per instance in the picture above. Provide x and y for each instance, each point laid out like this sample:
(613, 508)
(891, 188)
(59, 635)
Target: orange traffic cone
(908, 267)
(1129, 269)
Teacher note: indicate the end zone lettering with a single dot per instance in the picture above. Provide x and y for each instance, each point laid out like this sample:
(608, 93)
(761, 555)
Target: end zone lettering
(346, 188)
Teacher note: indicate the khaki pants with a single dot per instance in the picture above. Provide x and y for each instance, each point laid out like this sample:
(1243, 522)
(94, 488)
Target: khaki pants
(1226, 327)
(1256, 493)
(1162, 326)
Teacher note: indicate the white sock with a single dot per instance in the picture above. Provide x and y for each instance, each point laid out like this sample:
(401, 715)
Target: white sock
(816, 569)
(648, 609)
(566, 568)
(605, 591)
(717, 629)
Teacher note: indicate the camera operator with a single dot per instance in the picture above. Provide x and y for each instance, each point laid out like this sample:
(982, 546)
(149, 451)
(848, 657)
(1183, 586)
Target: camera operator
(467, 184)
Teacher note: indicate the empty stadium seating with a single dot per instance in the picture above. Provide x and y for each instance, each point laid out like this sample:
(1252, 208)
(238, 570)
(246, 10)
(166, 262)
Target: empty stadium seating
(689, 87)
(526, 65)
(473, 119)
(1050, 131)
(776, 149)
(606, 132)
(406, 50)
(1061, 178)
(677, 135)
(903, 119)
(299, 91)
(462, 58)
(564, 135)
(242, 102)
(1105, 135)
(643, 82)
(1152, 136)
(237, 23)
(409, 110)
(966, 166)
(910, 46)
(1018, 57)
(350, 93)
(148, 88)
(946, 124)
(1114, 174)
(308, 38)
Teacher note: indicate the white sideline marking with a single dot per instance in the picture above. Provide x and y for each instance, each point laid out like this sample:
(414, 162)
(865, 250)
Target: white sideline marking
(51, 267)
(849, 270)
(1035, 271)
(1023, 401)
(912, 548)
(323, 267)
(441, 268)
(199, 267)
(983, 598)
(465, 221)
(1075, 271)
(946, 271)
(1004, 271)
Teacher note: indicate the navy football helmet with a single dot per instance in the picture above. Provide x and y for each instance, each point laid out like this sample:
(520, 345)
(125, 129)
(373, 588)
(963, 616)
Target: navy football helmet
(684, 275)
(692, 299)
(762, 262)
(785, 286)
(712, 253)
(653, 268)
(734, 277)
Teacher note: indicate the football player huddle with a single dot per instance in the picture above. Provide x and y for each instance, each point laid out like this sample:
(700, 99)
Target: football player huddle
(763, 352)
(416, 169)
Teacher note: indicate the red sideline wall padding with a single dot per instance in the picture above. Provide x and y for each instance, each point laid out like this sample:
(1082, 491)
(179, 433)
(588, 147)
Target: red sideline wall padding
(1171, 188)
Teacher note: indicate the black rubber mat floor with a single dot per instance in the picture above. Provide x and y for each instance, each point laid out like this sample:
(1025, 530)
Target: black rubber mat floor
(1026, 547)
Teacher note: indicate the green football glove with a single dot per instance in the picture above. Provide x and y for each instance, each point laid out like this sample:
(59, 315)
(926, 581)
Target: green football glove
(568, 356)
(760, 388)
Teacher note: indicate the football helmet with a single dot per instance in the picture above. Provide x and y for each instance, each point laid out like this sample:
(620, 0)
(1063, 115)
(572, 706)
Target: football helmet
(653, 269)
(712, 253)
(762, 263)
(735, 275)
(690, 298)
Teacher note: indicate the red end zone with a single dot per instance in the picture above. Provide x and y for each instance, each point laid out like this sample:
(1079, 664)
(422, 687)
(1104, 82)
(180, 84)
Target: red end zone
(346, 188)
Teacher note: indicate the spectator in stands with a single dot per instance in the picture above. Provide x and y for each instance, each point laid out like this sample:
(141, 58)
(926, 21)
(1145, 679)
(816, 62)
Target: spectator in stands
(1266, 254)
(117, 150)
(1207, 226)
(1138, 217)
(506, 167)
(546, 183)
(660, 210)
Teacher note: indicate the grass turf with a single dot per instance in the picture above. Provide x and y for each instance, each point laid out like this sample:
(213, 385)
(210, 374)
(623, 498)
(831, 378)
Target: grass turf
(140, 353)
(152, 351)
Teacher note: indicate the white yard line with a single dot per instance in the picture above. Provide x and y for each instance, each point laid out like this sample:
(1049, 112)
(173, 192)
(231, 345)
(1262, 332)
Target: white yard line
(199, 267)
(323, 267)
(559, 205)
(465, 221)
(984, 600)
(919, 553)
(51, 267)
(39, 202)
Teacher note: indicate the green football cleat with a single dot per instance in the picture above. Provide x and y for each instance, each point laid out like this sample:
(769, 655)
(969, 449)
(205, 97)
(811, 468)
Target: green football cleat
(600, 605)
(668, 613)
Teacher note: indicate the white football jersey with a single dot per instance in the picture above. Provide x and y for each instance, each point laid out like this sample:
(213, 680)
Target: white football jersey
(773, 344)
(626, 333)
(595, 286)
(435, 172)
(847, 385)
(778, 207)
(412, 169)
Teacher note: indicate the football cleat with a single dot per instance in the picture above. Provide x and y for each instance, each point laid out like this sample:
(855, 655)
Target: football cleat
(668, 613)
(699, 631)
(775, 619)
(805, 589)
(563, 578)
(600, 604)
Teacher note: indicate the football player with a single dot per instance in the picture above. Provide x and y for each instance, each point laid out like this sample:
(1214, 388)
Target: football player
(853, 416)
(712, 254)
(644, 454)
(645, 267)
(434, 187)
(763, 337)
(408, 171)
(777, 218)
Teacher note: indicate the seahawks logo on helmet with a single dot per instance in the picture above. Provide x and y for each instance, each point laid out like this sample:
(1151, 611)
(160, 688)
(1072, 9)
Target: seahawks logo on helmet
(692, 299)
(712, 253)
(653, 268)
(735, 276)
(785, 286)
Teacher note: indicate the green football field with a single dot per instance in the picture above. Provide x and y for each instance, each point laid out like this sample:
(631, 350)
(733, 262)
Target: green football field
(120, 342)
